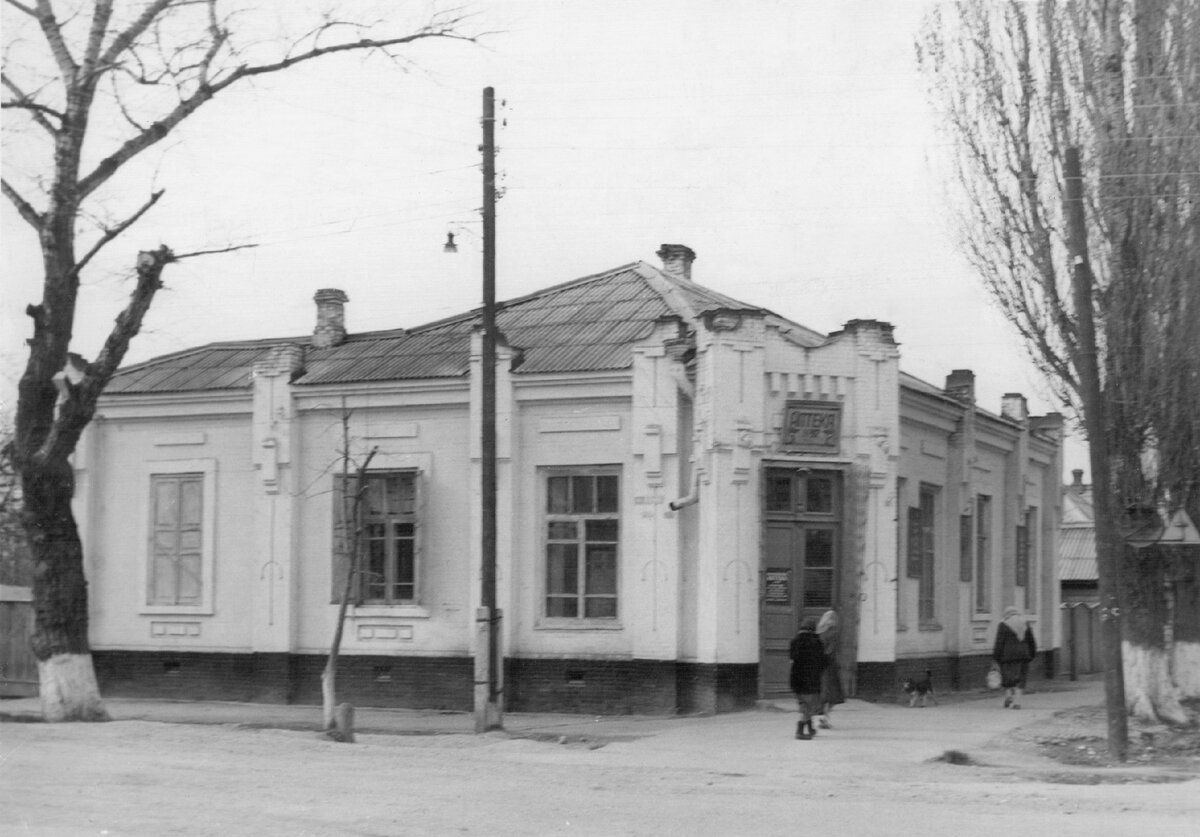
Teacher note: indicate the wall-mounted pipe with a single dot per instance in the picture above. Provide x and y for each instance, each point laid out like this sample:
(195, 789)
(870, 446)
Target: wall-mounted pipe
(694, 497)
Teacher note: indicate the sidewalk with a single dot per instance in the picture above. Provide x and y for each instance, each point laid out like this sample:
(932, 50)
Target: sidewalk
(873, 731)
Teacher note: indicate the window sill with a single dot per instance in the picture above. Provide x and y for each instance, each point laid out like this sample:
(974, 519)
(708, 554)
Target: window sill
(982, 617)
(579, 625)
(930, 626)
(176, 610)
(409, 611)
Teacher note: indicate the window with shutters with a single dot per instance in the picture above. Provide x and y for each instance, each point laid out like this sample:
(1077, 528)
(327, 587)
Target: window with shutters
(921, 564)
(581, 530)
(180, 515)
(376, 536)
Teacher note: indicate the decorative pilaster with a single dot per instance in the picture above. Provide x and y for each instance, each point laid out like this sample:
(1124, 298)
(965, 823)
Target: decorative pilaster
(272, 451)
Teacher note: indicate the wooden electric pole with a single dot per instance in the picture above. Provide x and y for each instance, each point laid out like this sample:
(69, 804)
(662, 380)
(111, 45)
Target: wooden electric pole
(1109, 543)
(488, 676)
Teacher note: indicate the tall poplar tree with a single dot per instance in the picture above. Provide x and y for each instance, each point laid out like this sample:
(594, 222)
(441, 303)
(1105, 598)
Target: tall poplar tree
(1022, 86)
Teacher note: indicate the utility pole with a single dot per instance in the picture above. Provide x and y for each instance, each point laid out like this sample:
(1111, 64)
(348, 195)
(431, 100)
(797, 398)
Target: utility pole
(488, 676)
(1109, 543)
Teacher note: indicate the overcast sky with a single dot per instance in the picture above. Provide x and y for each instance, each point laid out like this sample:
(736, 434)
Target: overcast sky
(788, 142)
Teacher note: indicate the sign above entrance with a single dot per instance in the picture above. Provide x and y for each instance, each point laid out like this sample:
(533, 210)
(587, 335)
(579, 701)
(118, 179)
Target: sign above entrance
(812, 427)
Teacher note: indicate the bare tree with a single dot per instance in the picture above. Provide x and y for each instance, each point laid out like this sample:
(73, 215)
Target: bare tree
(112, 79)
(1022, 87)
(353, 486)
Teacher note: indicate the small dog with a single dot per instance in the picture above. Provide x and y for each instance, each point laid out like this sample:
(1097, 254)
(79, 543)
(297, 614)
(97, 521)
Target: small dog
(920, 689)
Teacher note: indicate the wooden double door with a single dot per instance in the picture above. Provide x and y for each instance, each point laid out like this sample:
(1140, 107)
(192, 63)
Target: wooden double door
(801, 562)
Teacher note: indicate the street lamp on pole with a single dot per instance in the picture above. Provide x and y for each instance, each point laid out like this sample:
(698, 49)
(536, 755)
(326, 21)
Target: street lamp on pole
(488, 659)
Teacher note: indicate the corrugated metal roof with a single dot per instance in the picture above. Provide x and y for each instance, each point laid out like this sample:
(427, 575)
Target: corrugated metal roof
(589, 324)
(1077, 554)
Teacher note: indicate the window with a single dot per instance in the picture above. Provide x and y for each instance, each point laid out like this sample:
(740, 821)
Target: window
(802, 492)
(983, 529)
(582, 529)
(386, 507)
(818, 567)
(176, 540)
(920, 551)
(180, 514)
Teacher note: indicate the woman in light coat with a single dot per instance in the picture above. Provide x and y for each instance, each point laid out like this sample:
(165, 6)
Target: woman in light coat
(1014, 649)
(831, 679)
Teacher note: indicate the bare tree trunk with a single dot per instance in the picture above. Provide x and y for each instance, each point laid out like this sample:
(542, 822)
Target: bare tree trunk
(68, 686)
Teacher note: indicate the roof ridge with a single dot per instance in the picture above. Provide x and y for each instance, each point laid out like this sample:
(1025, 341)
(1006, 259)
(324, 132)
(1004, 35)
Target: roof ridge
(670, 293)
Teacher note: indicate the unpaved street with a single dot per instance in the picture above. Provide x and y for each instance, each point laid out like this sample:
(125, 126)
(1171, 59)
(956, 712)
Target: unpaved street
(731, 774)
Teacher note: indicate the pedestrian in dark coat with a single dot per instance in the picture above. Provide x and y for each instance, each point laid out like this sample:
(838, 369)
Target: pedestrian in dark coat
(1014, 649)
(808, 664)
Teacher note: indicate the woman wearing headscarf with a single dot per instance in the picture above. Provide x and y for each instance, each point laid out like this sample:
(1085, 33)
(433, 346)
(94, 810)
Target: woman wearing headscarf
(808, 662)
(831, 679)
(1014, 649)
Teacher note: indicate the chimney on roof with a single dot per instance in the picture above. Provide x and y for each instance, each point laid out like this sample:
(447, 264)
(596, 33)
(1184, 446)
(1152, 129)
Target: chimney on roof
(677, 260)
(1077, 479)
(960, 385)
(1013, 406)
(331, 318)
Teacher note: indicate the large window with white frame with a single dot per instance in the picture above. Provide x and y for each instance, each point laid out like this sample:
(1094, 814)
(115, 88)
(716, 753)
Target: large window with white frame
(180, 514)
(581, 531)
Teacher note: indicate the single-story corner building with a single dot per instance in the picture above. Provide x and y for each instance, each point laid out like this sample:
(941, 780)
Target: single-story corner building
(682, 477)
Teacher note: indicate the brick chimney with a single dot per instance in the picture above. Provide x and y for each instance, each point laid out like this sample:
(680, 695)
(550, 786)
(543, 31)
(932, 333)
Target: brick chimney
(331, 318)
(1013, 406)
(677, 260)
(960, 385)
(884, 331)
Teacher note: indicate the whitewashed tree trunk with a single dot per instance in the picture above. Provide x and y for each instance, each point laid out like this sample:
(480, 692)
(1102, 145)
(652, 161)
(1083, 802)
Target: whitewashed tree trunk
(1149, 690)
(69, 690)
(328, 695)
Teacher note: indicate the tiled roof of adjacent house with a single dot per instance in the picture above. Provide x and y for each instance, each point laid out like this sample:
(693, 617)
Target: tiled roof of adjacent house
(589, 324)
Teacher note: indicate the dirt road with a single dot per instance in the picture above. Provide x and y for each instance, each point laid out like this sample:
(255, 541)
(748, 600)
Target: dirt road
(728, 775)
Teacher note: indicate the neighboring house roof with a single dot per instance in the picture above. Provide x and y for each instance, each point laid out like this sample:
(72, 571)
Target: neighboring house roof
(1077, 537)
(1077, 554)
(585, 325)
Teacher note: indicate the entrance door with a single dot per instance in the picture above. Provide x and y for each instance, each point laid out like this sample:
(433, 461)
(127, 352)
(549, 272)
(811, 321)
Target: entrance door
(801, 551)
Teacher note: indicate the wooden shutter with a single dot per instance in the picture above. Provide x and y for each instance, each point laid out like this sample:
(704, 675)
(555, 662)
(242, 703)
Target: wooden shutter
(916, 540)
(966, 548)
(1022, 564)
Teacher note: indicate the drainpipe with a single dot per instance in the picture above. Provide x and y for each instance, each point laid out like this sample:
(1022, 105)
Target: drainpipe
(694, 497)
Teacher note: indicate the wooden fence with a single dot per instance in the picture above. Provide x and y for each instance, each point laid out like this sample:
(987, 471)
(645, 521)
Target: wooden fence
(1081, 638)
(18, 668)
